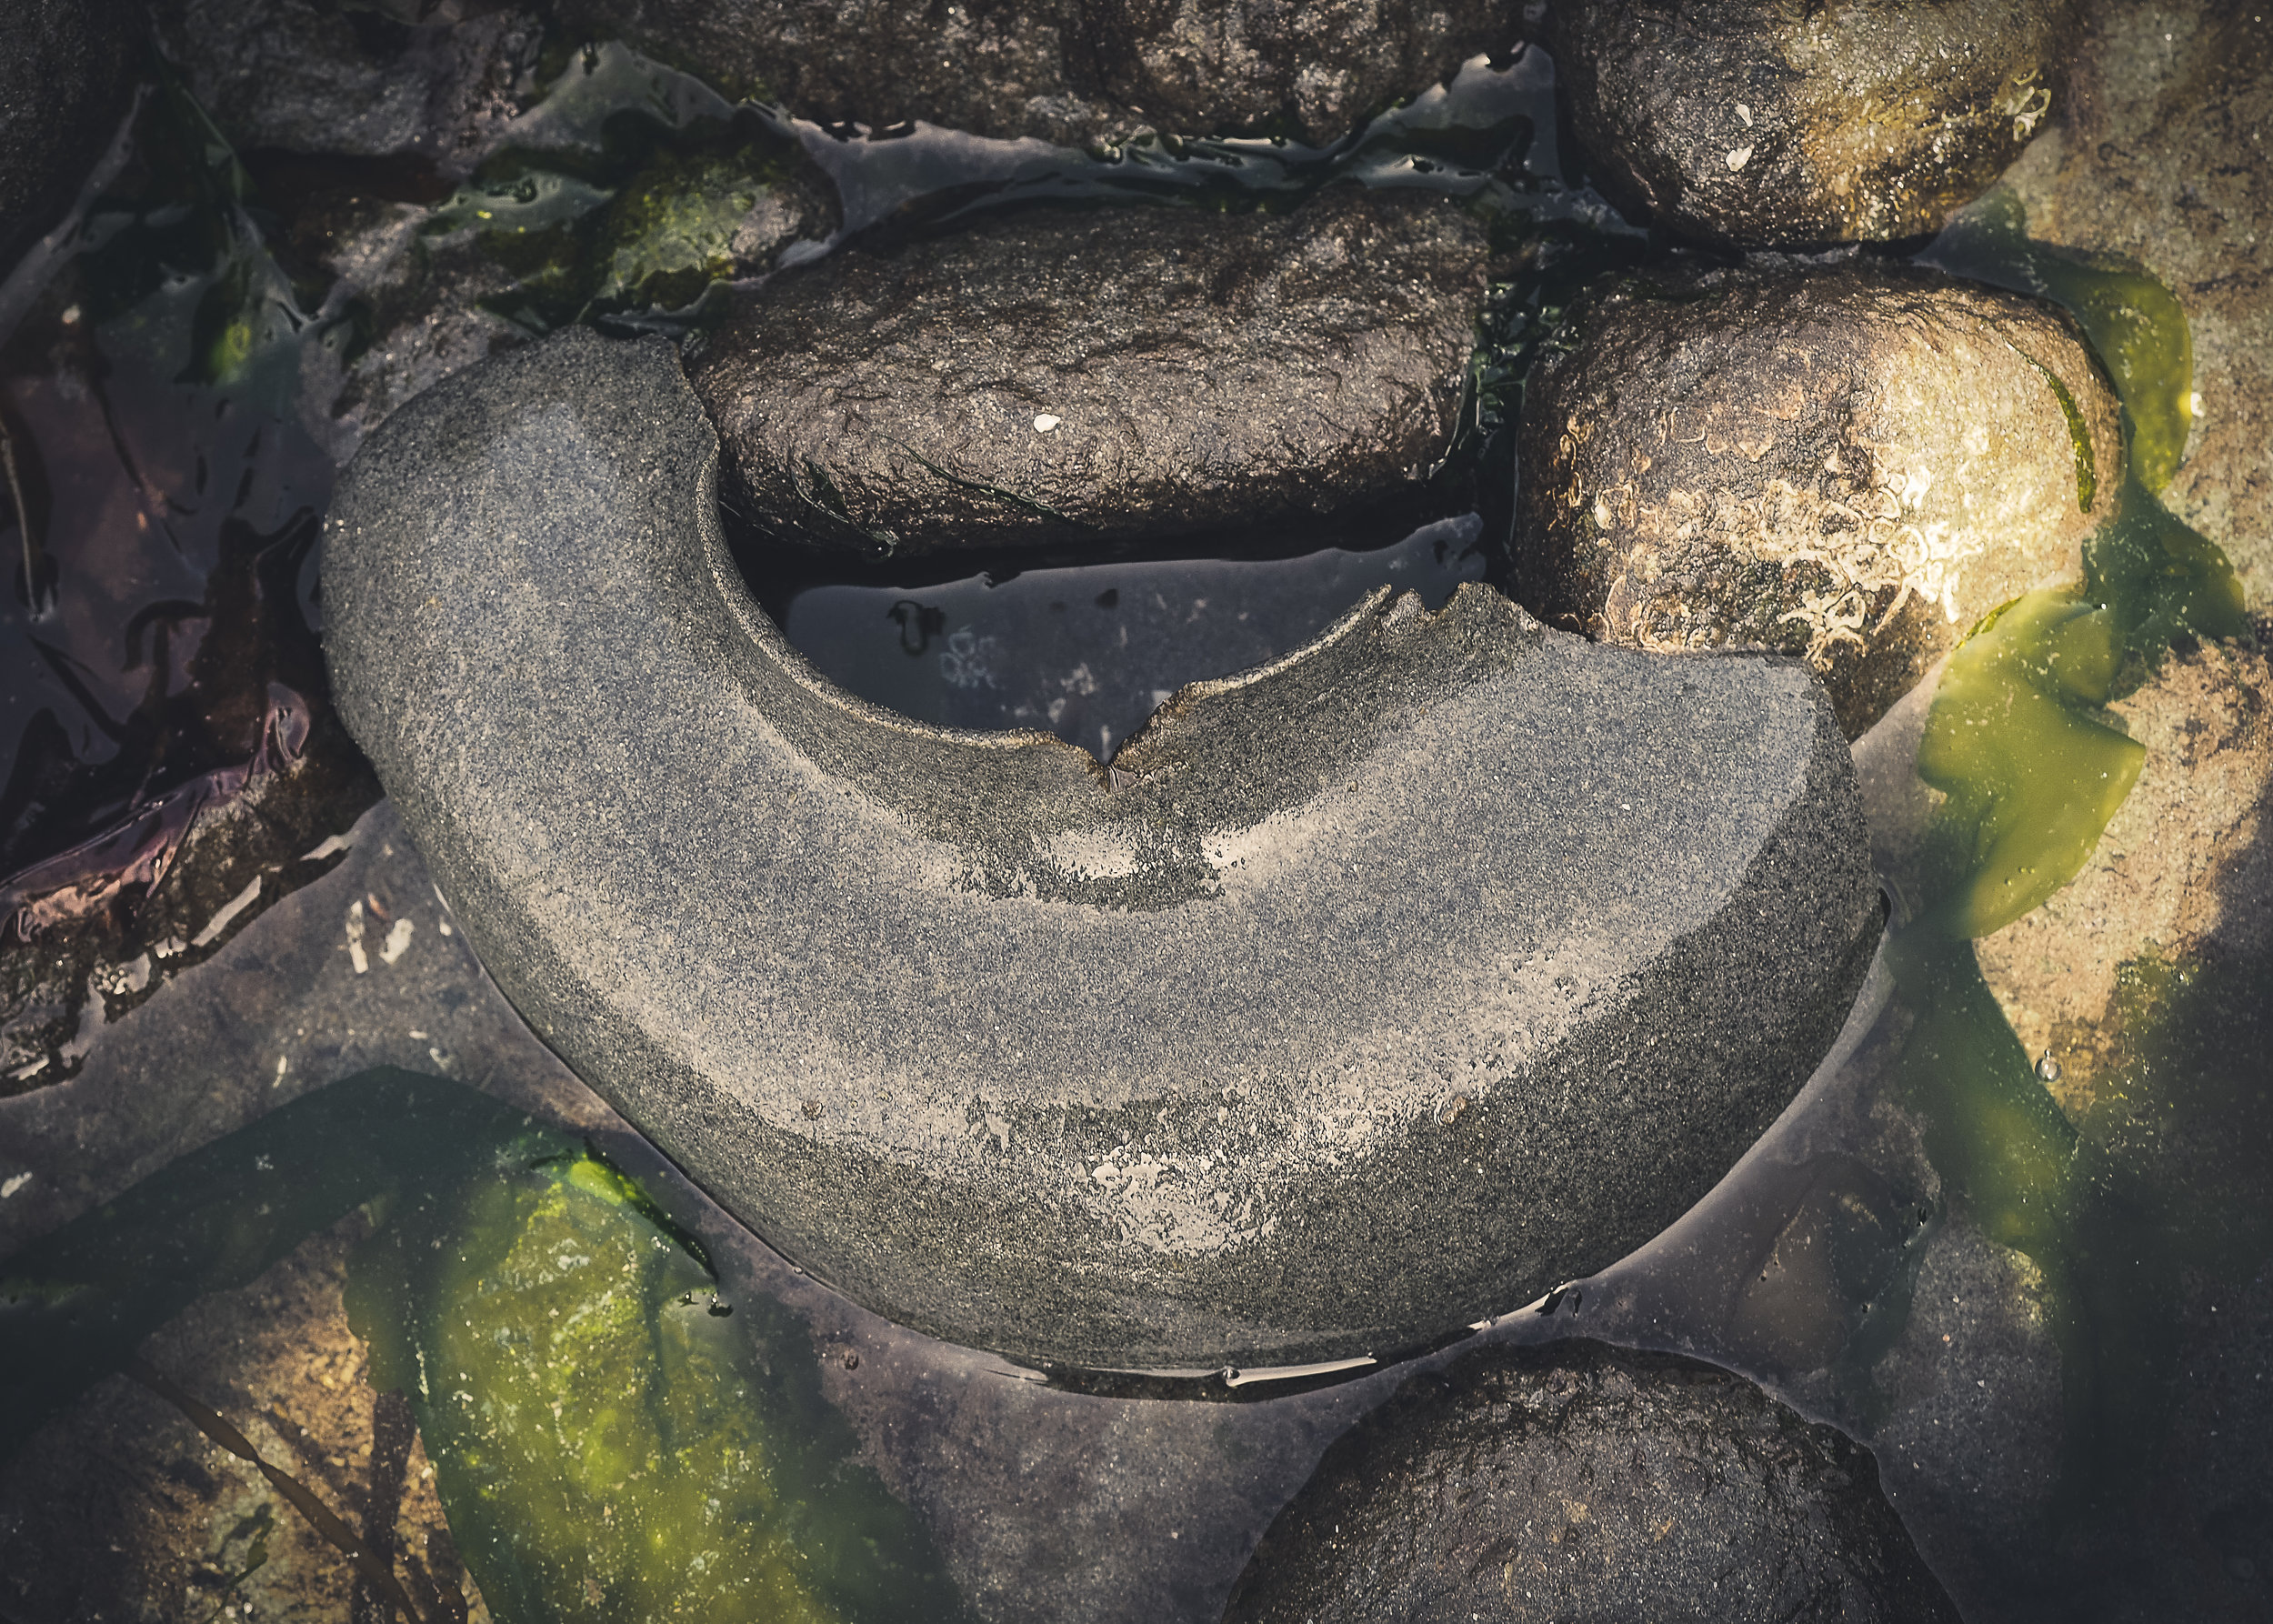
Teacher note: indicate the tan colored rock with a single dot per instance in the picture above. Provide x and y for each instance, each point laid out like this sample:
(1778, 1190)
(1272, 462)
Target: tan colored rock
(1853, 465)
(122, 1508)
(2185, 870)
(2167, 159)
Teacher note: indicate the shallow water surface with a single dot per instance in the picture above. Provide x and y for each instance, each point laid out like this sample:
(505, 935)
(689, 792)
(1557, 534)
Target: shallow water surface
(625, 1400)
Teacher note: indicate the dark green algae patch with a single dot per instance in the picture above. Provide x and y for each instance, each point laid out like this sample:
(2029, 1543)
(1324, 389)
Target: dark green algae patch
(610, 1440)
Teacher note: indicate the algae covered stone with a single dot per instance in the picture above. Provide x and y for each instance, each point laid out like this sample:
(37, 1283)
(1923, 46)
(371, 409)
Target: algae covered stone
(610, 1441)
(1133, 374)
(1853, 463)
(1765, 125)
(1366, 992)
(1577, 1481)
(2166, 161)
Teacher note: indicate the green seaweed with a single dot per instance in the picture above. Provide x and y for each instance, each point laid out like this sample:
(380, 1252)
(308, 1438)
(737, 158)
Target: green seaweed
(2032, 766)
(2078, 437)
(609, 1440)
(623, 192)
(608, 1443)
(2018, 740)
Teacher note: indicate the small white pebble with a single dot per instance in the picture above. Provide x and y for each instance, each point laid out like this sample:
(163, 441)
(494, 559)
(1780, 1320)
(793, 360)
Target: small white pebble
(1045, 422)
(2194, 403)
(12, 1183)
(1739, 157)
(1745, 112)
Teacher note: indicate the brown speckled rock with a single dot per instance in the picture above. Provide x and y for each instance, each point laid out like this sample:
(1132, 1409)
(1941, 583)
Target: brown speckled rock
(1852, 463)
(2167, 159)
(1767, 124)
(1130, 373)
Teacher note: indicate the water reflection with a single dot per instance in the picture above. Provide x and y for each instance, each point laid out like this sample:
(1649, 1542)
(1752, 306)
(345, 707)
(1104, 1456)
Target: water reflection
(1089, 652)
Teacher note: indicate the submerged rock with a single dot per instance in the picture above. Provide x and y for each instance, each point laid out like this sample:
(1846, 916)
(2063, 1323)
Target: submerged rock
(1763, 125)
(64, 83)
(1854, 465)
(1390, 983)
(1577, 1481)
(1102, 378)
(2167, 160)
(1073, 72)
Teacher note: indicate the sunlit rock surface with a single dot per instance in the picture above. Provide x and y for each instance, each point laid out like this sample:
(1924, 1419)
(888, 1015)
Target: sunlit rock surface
(66, 71)
(1071, 71)
(1580, 1482)
(1362, 994)
(2183, 877)
(1853, 465)
(2166, 161)
(1767, 126)
(1081, 380)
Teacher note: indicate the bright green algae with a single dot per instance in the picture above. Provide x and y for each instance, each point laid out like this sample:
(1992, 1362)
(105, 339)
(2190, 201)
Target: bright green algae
(609, 1440)
(608, 1443)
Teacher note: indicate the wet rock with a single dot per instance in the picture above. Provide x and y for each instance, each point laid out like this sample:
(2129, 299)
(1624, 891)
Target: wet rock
(1763, 126)
(2182, 875)
(64, 82)
(1074, 72)
(424, 276)
(122, 1508)
(1323, 1021)
(1579, 1482)
(1970, 1419)
(95, 931)
(421, 85)
(2167, 160)
(1133, 374)
(1854, 465)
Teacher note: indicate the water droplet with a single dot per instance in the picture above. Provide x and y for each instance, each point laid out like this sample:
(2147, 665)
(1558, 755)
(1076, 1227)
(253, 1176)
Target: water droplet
(2048, 1068)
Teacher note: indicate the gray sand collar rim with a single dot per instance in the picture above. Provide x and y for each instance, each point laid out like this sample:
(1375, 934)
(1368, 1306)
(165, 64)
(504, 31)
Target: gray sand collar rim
(1363, 994)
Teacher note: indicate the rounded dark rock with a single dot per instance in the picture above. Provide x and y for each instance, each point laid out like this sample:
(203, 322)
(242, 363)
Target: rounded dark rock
(1765, 125)
(1074, 71)
(417, 83)
(1579, 1483)
(1851, 463)
(65, 69)
(1141, 373)
(1365, 993)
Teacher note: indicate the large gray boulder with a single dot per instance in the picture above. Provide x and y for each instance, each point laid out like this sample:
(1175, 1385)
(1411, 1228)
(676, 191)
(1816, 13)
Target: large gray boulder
(1763, 125)
(63, 83)
(1582, 1483)
(1054, 380)
(1364, 993)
